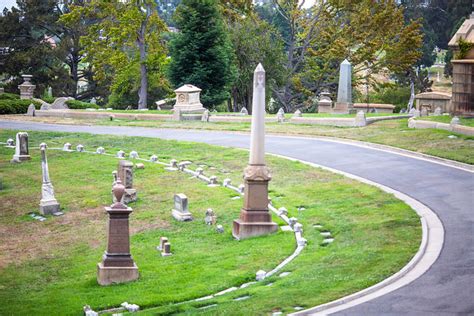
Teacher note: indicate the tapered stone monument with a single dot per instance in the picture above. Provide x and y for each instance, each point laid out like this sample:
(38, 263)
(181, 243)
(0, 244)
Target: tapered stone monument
(48, 204)
(344, 91)
(117, 264)
(255, 219)
(21, 148)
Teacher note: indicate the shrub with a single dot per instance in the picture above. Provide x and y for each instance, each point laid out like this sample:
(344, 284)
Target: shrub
(16, 106)
(9, 96)
(79, 105)
(48, 99)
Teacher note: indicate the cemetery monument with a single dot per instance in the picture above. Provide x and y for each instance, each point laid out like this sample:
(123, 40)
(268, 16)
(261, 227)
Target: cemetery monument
(117, 265)
(255, 219)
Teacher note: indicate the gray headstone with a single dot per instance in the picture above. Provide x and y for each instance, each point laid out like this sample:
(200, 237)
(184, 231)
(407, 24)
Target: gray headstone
(244, 111)
(31, 110)
(180, 210)
(344, 90)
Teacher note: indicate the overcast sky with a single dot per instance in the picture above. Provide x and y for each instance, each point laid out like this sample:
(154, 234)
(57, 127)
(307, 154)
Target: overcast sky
(7, 3)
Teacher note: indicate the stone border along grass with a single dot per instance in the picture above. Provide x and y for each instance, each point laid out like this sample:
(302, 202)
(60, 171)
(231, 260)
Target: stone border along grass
(455, 128)
(294, 226)
(427, 254)
(358, 120)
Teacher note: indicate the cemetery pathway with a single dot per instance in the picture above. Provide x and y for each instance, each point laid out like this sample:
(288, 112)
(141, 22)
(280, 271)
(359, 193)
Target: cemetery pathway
(447, 287)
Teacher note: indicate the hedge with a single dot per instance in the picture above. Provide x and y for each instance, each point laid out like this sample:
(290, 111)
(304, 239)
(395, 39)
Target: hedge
(9, 96)
(16, 106)
(79, 105)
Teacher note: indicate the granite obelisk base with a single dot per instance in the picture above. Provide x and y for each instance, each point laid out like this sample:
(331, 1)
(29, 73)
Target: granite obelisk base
(255, 219)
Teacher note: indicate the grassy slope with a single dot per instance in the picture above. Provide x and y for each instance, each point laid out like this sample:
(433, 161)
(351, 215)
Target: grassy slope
(393, 133)
(447, 119)
(49, 268)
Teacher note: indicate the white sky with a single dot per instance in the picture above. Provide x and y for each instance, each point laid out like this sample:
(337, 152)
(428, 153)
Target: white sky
(7, 3)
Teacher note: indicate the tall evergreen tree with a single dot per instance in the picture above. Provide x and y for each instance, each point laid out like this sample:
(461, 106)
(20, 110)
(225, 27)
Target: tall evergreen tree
(201, 53)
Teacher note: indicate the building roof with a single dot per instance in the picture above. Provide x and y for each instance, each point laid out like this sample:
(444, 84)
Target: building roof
(466, 32)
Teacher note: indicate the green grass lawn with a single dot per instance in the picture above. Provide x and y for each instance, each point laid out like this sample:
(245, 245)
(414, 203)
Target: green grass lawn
(49, 268)
(447, 119)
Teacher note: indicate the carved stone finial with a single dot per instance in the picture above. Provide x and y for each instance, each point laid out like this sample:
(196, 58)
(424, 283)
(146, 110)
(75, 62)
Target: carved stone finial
(118, 190)
(43, 146)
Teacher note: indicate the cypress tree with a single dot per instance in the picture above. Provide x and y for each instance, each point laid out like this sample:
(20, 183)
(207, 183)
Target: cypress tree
(201, 53)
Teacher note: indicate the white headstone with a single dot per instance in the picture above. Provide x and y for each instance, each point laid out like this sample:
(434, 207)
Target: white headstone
(21, 148)
(244, 111)
(48, 203)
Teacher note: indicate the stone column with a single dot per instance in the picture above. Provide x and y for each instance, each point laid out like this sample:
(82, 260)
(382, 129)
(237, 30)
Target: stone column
(255, 219)
(117, 264)
(21, 148)
(27, 88)
(344, 90)
(48, 204)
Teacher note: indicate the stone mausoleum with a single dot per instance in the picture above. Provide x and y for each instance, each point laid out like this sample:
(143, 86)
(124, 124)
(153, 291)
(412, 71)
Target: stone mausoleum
(463, 68)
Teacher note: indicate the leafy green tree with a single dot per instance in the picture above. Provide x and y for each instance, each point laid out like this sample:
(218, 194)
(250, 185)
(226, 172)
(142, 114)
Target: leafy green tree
(372, 35)
(26, 46)
(201, 53)
(255, 41)
(125, 36)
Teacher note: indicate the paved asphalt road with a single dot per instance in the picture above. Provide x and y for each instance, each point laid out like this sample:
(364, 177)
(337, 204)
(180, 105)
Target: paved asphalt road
(447, 288)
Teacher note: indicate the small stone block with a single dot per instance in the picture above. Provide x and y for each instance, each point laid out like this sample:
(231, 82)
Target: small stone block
(284, 274)
(140, 166)
(58, 213)
(325, 234)
(260, 275)
(286, 228)
(328, 240)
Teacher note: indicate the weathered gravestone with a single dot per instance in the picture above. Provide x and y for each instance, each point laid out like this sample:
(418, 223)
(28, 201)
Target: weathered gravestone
(297, 114)
(117, 265)
(437, 111)
(211, 217)
(281, 115)
(21, 148)
(31, 110)
(48, 204)
(180, 211)
(125, 173)
(244, 111)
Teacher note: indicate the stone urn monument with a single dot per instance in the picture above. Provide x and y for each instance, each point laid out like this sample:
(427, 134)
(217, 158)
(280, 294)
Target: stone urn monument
(27, 88)
(187, 99)
(117, 265)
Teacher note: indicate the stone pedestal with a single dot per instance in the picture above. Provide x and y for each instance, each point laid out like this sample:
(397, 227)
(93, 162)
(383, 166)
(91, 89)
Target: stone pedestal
(27, 88)
(325, 103)
(343, 108)
(255, 219)
(117, 265)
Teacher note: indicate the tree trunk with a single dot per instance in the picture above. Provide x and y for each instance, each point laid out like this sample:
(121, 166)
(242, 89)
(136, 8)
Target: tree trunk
(143, 91)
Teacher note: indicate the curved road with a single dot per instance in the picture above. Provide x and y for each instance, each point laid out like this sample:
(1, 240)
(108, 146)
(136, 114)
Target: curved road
(447, 288)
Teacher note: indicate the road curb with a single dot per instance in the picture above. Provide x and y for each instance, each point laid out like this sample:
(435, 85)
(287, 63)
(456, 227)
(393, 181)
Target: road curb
(427, 254)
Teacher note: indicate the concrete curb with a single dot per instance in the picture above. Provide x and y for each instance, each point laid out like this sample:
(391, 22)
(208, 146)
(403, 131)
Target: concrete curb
(427, 254)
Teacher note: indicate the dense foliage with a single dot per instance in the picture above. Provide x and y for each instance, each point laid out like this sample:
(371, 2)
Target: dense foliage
(201, 53)
(79, 105)
(16, 106)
